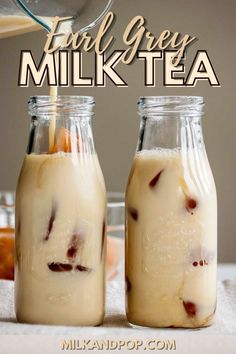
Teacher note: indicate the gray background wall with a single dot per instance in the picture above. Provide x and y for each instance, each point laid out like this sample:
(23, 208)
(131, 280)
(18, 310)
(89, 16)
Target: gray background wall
(116, 123)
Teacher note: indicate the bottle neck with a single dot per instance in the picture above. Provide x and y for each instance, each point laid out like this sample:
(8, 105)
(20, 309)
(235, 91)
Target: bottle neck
(70, 135)
(170, 122)
(170, 133)
(61, 124)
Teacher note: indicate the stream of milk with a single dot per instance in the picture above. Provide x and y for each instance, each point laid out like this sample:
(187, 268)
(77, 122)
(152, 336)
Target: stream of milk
(14, 25)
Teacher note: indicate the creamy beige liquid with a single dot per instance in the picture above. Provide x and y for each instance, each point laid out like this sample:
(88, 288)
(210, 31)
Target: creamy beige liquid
(60, 217)
(65, 27)
(171, 240)
(53, 92)
(60, 221)
(15, 25)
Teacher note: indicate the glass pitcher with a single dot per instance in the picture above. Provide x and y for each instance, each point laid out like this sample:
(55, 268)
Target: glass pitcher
(171, 219)
(60, 218)
(13, 21)
(20, 16)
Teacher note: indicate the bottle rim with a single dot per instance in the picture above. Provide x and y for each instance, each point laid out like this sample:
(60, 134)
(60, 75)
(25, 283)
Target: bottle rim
(191, 106)
(64, 105)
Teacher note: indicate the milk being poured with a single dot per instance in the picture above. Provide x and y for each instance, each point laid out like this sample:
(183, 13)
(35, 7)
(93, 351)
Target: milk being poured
(61, 274)
(64, 27)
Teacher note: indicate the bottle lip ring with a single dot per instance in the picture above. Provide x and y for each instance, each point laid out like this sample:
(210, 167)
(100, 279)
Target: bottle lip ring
(74, 106)
(165, 105)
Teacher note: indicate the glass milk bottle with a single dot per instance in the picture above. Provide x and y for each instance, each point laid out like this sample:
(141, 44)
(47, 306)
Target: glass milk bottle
(60, 217)
(171, 219)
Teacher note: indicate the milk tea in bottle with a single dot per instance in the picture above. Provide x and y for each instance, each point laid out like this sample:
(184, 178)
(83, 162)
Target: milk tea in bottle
(60, 218)
(171, 219)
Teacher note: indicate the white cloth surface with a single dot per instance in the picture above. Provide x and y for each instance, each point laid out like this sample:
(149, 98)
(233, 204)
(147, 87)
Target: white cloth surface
(115, 321)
